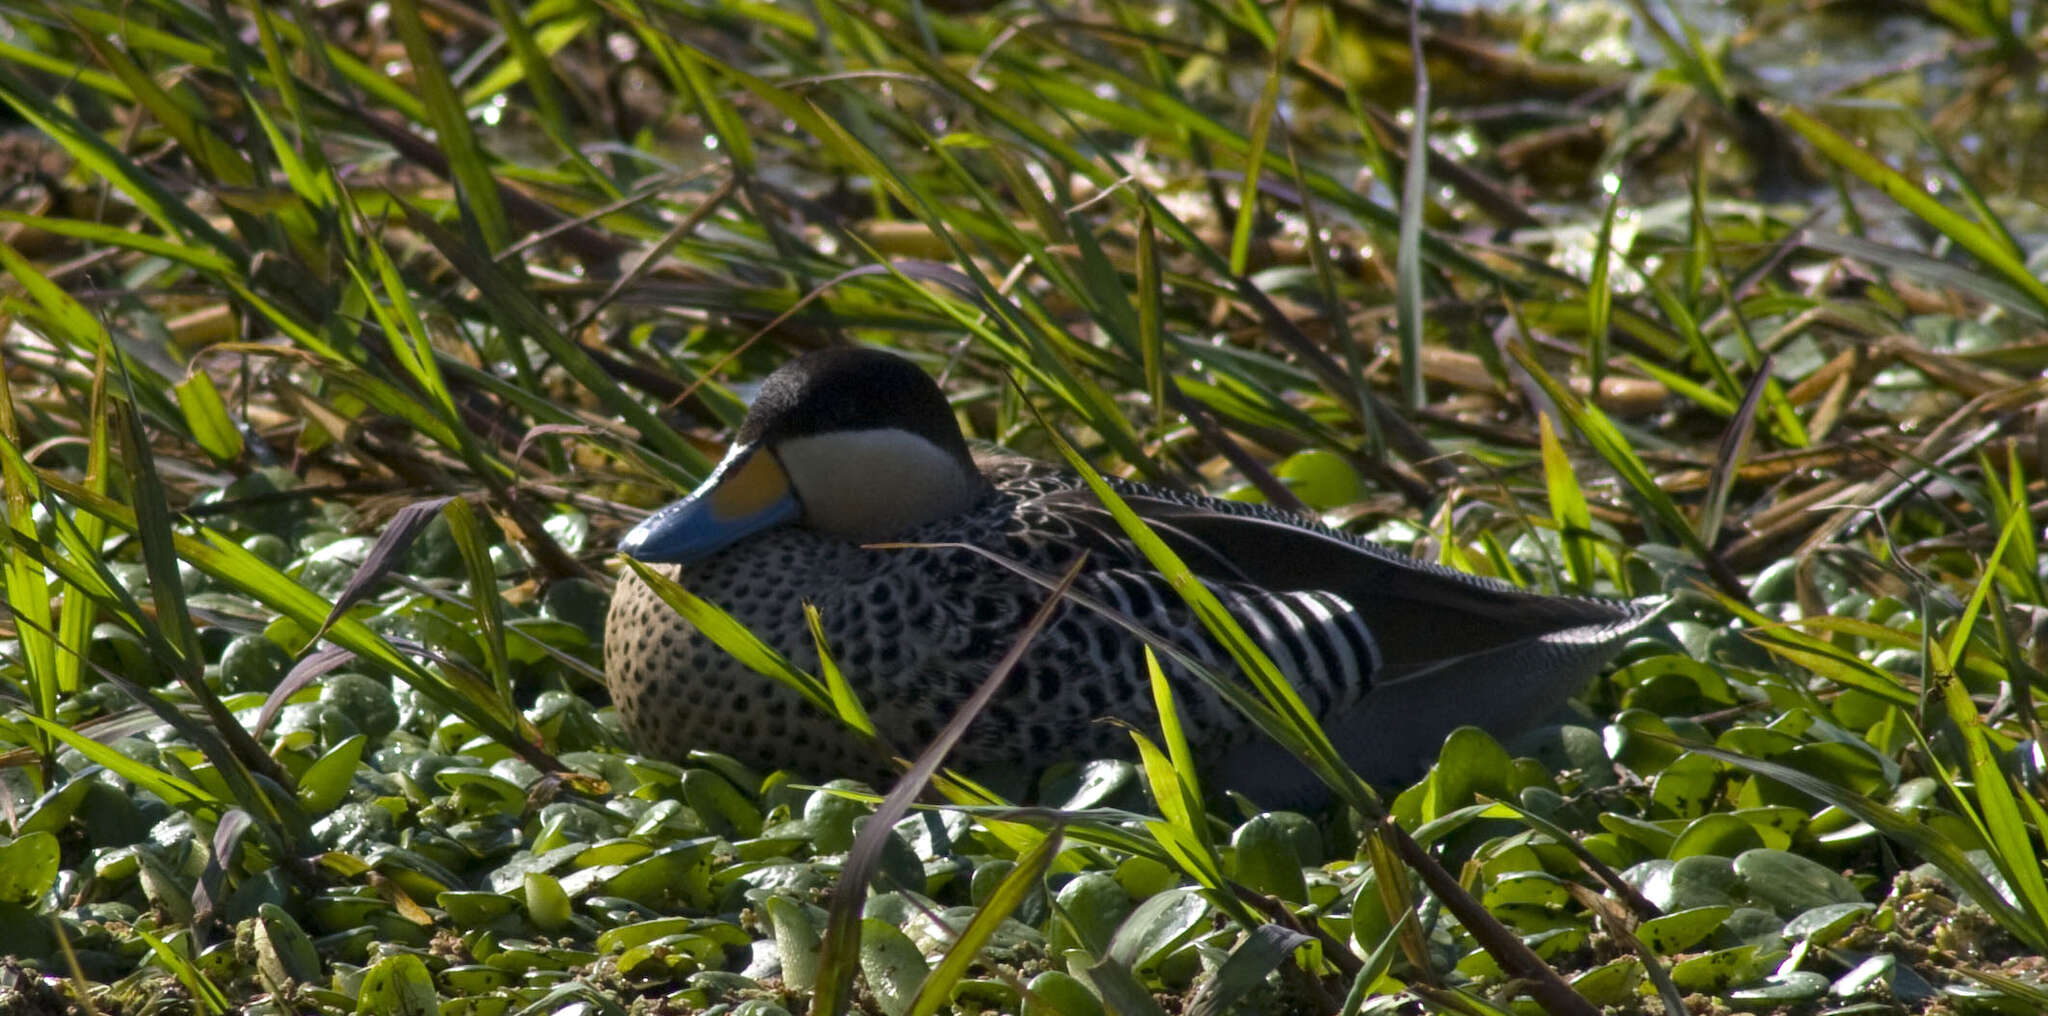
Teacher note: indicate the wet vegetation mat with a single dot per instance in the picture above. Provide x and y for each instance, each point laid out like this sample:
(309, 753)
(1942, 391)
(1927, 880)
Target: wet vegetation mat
(342, 341)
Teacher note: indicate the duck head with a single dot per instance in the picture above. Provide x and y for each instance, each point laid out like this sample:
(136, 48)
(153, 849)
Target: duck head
(856, 444)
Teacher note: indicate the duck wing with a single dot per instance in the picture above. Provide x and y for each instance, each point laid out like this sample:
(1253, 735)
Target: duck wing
(1421, 616)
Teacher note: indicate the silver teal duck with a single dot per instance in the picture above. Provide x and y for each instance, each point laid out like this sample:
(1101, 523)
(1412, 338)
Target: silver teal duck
(846, 448)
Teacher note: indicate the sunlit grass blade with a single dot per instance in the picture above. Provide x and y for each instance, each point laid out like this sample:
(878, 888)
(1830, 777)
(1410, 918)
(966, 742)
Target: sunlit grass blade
(1414, 208)
(484, 599)
(1568, 510)
(98, 81)
(514, 303)
(685, 67)
(2023, 554)
(1396, 896)
(1177, 834)
(1262, 114)
(66, 320)
(528, 64)
(1291, 724)
(1599, 291)
(283, 825)
(1187, 786)
(22, 578)
(1607, 440)
(1916, 836)
(1820, 656)
(845, 702)
(466, 157)
(1050, 351)
(937, 989)
(206, 415)
(1297, 728)
(153, 529)
(1262, 950)
(235, 566)
(1372, 975)
(1151, 331)
(78, 611)
(402, 324)
(100, 234)
(1959, 639)
(228, 168)
(307, 171)
(205, 994)
(1785, 422)
(1933, 271)
(2004, 824)
(1987, 246)
(2022, 991)
(1708, 368)
(167, 788)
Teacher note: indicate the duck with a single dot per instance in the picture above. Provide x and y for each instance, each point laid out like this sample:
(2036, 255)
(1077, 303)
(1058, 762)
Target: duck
(849, 486)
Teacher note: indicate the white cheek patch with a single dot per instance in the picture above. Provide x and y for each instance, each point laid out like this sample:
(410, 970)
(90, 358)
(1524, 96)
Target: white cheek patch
(874, 484)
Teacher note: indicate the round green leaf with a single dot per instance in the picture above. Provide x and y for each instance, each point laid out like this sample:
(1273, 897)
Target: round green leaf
(1790, 884)
(398, 985)
(1676, 932)
(28, 867)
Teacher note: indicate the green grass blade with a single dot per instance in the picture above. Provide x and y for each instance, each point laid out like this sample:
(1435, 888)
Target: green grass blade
(1988, 247)
(1175, 834)
(79, 612)
(1263, 112)
(2005, 827)
(22, 578)
(1263, 950)
(1959, 640)
(936, 991)
(1151, 327)
(208, 996)
(169, 789)
(100, 234)
(153, 528)
(484, 598)
(236, 567)
(206, 416)
(845, 702)
(467, 161)
(686, 69)
(1599, 291)
(1408, 293)
(1187, 784)
(1608, 441)
(219, 160)
(2023, 554)
(1568, 510)
(508, 298)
